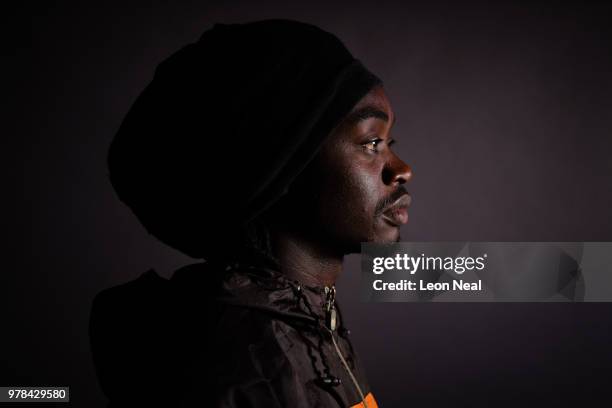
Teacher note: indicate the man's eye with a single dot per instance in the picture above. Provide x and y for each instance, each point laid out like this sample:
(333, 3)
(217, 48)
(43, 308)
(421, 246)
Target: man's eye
(372, 145)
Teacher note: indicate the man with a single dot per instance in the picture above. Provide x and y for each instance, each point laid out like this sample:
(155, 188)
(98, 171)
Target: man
(265, 149)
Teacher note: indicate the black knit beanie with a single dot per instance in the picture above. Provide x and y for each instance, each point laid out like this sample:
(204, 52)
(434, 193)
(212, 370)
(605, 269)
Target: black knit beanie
(226, 125)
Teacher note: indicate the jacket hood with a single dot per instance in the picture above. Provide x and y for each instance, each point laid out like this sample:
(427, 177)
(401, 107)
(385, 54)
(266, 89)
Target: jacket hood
(143, 332)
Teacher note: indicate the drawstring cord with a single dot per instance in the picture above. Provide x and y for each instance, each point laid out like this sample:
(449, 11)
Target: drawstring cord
(325, 377)
(331, 321)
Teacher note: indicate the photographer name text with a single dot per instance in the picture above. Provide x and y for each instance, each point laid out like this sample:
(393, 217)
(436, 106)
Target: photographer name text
(421, 285)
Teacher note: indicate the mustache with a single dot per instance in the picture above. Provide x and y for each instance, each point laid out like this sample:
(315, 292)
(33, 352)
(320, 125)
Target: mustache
(382, 205)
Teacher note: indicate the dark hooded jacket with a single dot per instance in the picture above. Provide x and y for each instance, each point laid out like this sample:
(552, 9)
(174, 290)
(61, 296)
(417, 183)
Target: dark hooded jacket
(224, 336)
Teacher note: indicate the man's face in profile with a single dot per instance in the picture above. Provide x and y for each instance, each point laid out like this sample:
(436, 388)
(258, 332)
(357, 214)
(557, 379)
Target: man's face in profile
(354, 186)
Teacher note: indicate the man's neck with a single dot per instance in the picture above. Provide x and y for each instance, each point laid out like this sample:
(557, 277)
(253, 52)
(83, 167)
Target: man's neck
(305, 261)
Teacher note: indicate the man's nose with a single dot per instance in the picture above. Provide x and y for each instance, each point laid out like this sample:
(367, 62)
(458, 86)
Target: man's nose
(396, 171)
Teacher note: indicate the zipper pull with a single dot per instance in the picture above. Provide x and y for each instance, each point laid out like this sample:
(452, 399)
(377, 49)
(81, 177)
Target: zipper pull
(330, 309)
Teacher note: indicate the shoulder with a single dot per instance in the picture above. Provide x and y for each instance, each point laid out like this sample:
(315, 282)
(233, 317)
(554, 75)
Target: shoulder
(253, 336)
(256, 365)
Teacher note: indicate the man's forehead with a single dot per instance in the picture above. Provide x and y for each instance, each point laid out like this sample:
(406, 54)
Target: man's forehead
(370, 110)
(374, 104)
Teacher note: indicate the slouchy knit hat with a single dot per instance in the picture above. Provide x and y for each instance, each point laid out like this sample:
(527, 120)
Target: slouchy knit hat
(225, 126)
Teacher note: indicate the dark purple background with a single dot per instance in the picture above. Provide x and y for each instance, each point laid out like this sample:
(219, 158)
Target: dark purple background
(504, 112)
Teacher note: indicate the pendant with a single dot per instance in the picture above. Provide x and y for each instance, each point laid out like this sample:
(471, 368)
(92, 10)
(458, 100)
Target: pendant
(331, 318)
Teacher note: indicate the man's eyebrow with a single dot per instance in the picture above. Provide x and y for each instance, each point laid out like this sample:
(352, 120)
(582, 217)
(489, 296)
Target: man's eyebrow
(367, 112)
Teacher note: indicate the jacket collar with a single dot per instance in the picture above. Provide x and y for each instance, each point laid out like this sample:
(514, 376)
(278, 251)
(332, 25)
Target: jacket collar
(258, 287)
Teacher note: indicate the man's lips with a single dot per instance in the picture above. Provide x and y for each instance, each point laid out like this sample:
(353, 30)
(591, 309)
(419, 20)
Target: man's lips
(397, 213)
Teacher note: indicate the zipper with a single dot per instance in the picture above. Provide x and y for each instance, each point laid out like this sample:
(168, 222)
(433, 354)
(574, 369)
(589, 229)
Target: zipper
(331, 321)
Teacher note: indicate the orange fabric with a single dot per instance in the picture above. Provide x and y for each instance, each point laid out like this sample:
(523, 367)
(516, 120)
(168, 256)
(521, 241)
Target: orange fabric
(369, 399)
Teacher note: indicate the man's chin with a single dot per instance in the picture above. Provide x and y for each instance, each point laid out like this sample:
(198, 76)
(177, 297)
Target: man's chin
(390, 236)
